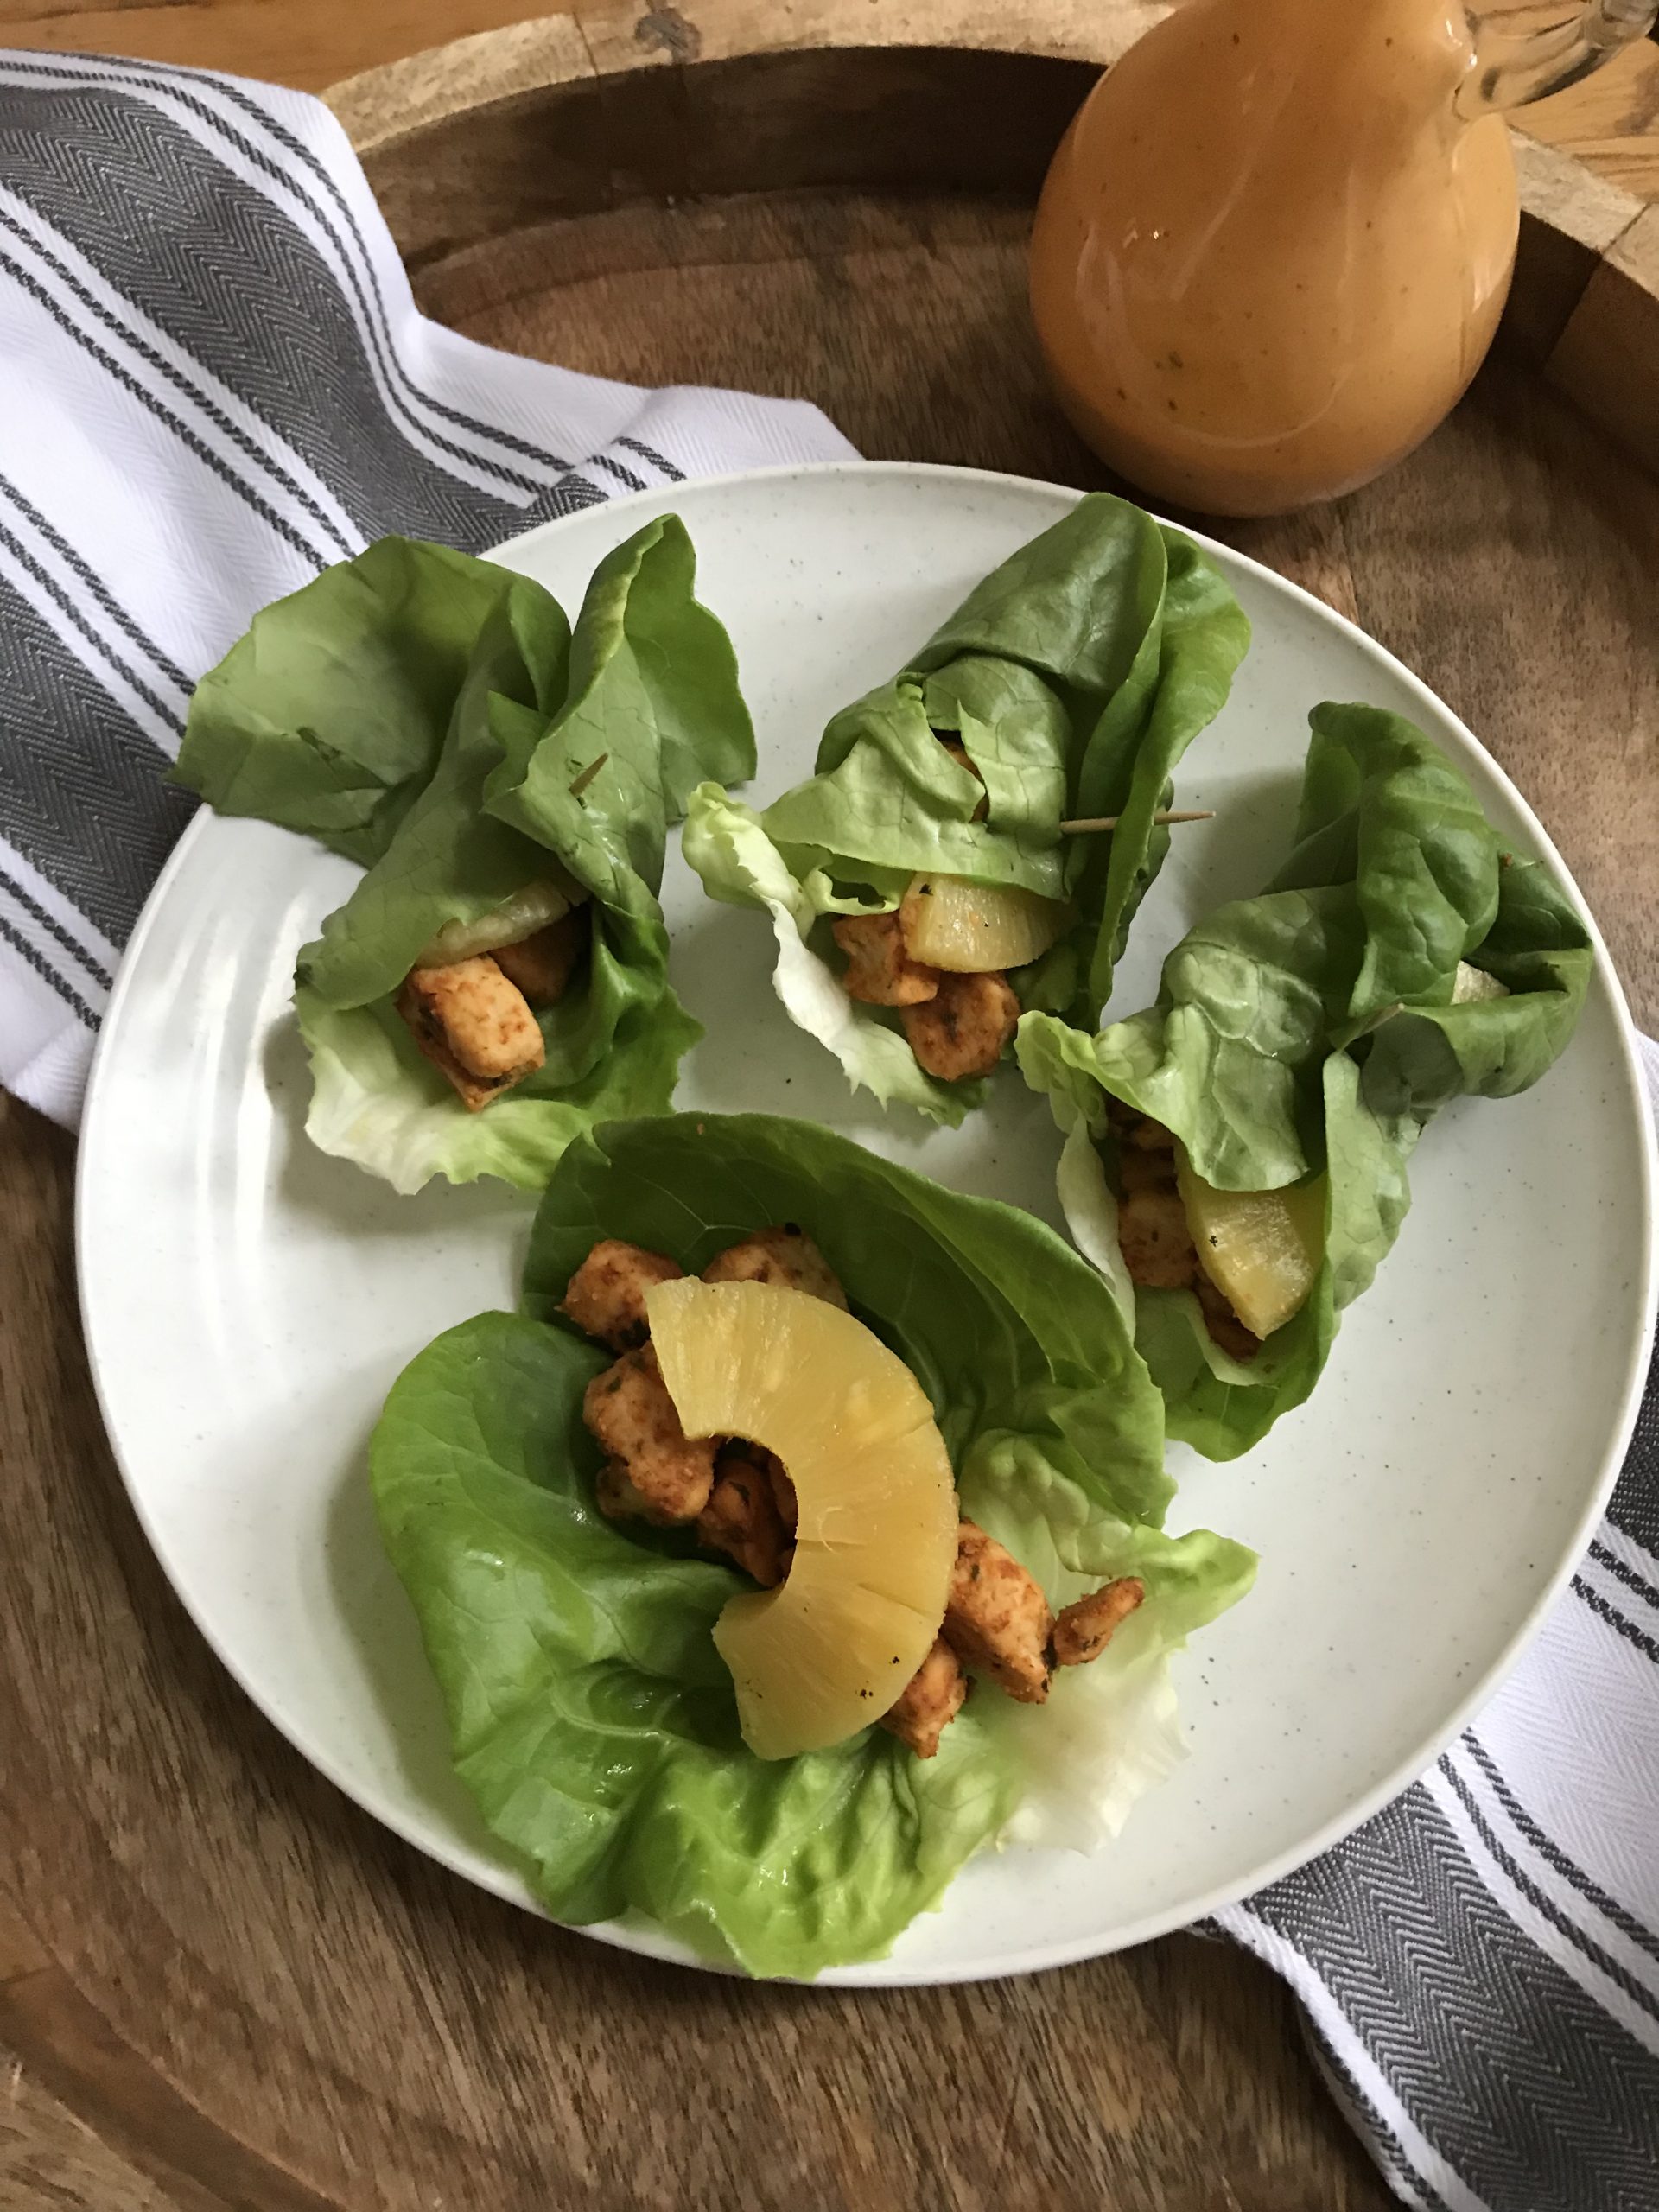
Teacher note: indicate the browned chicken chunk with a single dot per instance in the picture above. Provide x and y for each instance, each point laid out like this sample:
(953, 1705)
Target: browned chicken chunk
(1225, 1327)
(1083, 1631)
(1157, 1244)
(1153, 1230)
(929, 1702)
(655, 1471)
(958, 753)
(605, 1297)
(997, 1618)
(1140, 1131)
(880, 972)
(742, 1518)
(783, 1490)
(965, 1028)
(785, 1257)
(474, 1026)
(542, 965)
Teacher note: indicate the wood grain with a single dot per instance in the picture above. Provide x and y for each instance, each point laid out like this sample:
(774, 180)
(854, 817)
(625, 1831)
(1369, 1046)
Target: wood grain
(220, 1985)
(1611, 122)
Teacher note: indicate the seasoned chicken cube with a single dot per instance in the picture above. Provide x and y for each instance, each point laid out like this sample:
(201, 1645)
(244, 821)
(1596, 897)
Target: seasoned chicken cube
(783, 1490)
(958, 753)
(930, 1701)
(785, 1257)
(1225, 1327)
(1144, 1171)
(542, 965)
(474, 1025)
(880, 972)
(965, 1028)
(997, 1618)
(1083, 1631)
(742, 1518)
(605, 1297)
(1157, 1243)
(1140, 1131)
(657, 1470)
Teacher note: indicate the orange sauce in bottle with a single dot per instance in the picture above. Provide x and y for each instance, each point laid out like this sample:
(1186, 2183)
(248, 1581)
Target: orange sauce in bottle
(1270, 253)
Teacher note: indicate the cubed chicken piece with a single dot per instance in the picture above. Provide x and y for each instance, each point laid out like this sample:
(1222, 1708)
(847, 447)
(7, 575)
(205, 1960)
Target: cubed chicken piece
(929, 1702)
(605, 1297)
(1157, 1243)
(785, 1257)
(474, 1026)
(958, 753)
(965, 1028)
(657, 1471)
(783, 1490)
(1225, 1328)
(742, 1518)
(1144, 1171)
(880, 972)
(997, 1618)
(1139, 1130)
(542, 965)
(1083, 1631)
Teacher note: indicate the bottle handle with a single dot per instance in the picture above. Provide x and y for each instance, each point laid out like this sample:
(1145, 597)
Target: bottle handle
(1512, 68)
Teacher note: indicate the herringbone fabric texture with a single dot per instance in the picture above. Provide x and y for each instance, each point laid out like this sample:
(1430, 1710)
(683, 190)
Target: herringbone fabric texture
(213, 381)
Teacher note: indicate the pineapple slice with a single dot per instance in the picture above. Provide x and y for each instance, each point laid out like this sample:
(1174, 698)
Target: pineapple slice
(834, 1646)
(534, 908)
(1260, 1248)
(977, 929)
(1471, 984)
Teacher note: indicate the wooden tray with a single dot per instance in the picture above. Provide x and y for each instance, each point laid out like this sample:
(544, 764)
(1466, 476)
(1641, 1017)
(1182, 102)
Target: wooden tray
(222, 1986)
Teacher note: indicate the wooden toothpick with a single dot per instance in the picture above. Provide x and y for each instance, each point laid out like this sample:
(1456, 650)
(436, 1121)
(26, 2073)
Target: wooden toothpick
(1110, 821)
(588, 775)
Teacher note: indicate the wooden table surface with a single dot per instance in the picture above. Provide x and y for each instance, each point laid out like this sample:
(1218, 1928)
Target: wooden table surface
(1612, 120)
(141, 2068)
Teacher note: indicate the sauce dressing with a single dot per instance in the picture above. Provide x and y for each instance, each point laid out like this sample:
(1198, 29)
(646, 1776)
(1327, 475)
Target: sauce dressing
(1271, 252)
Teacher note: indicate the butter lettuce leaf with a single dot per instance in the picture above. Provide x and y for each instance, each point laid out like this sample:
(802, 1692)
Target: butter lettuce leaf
(1074, 677)
(487, 745)
(594, 1721)
(1313, 1031)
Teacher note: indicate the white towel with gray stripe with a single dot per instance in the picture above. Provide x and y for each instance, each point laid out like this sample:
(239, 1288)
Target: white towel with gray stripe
(213, 381)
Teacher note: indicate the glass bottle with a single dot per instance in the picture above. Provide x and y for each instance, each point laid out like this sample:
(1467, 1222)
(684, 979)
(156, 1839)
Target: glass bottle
(1274, 247)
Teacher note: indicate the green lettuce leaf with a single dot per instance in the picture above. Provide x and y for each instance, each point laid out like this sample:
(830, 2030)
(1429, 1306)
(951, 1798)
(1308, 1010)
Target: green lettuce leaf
(1384, 809)
(1313, 1029)
(726, 844)
(1422, 1057)
(479, 735)
(1222, 1406)
(1075, 677)
(594, 1721)
(328, 716)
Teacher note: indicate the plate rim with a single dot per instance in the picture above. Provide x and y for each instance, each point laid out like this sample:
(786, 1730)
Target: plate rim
(642, 1938)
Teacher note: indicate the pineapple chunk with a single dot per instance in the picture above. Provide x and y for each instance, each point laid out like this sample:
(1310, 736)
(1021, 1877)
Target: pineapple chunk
(837, 1643)
(977, 929)
(1471, 984)
(524, 915)
(1260, 1248)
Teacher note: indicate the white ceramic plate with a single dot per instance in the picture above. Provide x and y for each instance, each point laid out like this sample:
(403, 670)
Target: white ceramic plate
(248, 1300)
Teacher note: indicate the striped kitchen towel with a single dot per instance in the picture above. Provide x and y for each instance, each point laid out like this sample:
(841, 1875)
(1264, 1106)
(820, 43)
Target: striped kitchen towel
(213, 381)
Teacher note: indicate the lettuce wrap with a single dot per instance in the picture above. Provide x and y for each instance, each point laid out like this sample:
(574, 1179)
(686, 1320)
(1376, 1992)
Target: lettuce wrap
(1400, 959)
(594, 1722)
(1074, 677)
(437, 719)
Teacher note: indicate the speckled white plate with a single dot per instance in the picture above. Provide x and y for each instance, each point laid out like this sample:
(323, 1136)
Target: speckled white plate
(247, 1300)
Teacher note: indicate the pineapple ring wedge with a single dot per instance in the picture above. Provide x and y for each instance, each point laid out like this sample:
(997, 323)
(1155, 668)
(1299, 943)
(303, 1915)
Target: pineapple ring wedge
(977, 929)
(834, 1646)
